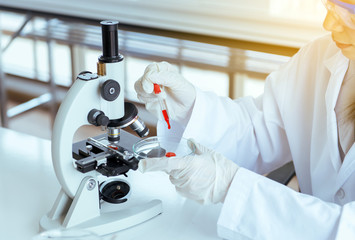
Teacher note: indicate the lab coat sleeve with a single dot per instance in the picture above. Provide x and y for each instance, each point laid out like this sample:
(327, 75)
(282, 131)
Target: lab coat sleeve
(259, 208)
(247, 131)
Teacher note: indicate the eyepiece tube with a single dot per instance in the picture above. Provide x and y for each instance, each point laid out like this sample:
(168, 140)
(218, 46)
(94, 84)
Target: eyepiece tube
(110, 42)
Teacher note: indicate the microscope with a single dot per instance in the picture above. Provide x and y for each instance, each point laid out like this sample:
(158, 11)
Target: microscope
(93, 172)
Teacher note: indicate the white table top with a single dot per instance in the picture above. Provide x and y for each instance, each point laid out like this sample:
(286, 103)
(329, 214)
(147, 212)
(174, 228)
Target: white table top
(28, 188)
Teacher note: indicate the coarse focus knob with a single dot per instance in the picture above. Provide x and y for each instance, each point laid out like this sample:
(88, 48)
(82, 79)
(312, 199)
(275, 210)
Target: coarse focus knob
(102, 120)
(110, 90)
(98, 118)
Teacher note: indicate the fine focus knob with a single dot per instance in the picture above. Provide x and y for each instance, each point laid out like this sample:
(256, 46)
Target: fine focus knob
(98, 118)
(102, 120)
(110, 90)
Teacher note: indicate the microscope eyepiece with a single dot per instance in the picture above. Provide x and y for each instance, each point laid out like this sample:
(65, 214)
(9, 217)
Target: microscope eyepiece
(110, 52)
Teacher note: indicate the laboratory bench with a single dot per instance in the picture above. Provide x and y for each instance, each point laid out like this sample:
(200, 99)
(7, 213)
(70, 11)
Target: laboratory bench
(29, 187)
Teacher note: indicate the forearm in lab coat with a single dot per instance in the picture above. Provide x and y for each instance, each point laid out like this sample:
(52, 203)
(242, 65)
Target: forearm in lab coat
(238, 129)
(259, 208)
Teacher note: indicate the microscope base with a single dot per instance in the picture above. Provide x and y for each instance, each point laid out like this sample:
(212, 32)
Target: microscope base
(80, 213)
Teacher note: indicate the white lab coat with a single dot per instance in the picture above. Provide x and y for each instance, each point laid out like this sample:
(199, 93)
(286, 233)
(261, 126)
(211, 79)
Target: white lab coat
(293, 120)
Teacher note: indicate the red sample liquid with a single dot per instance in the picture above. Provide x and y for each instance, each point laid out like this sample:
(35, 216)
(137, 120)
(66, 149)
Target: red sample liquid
(166, 117)
(170, 154)
(162, 103)
(113, 147)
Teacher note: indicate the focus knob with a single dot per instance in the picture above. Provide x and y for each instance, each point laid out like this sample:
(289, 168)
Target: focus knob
(110, 90)
(98, 118)
(102, 120)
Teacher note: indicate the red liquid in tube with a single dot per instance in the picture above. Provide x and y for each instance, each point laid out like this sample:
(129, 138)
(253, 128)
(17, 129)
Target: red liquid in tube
(166, 117)
(162, 103)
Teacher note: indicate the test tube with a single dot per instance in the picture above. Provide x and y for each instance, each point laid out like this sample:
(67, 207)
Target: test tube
(162, 103)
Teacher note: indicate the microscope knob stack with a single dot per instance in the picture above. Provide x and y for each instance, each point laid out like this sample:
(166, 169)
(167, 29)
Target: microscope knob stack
(98, 118)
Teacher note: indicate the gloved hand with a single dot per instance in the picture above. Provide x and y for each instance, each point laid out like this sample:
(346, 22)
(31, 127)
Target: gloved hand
(204, 177)
(179, 94)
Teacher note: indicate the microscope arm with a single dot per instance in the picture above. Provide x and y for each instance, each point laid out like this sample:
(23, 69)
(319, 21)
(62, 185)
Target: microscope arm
(71, 115)
(82, 97)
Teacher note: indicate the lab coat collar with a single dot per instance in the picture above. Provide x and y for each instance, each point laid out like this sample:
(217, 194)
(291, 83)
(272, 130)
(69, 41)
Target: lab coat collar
(337, 64)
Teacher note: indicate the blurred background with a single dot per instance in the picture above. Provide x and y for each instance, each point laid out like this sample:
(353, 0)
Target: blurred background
(225, 46)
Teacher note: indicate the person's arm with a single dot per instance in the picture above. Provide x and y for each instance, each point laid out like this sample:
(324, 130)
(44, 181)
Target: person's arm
(259, 208)
(248, 131)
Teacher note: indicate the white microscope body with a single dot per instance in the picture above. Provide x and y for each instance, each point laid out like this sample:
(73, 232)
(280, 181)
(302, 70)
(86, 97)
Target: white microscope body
(96, 99)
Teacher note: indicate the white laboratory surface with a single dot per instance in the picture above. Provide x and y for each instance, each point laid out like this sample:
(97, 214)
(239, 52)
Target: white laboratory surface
(28, 188)
(289, 23)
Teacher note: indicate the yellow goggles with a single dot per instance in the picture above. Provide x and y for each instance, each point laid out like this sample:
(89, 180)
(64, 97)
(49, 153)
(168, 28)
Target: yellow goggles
(342, 11)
